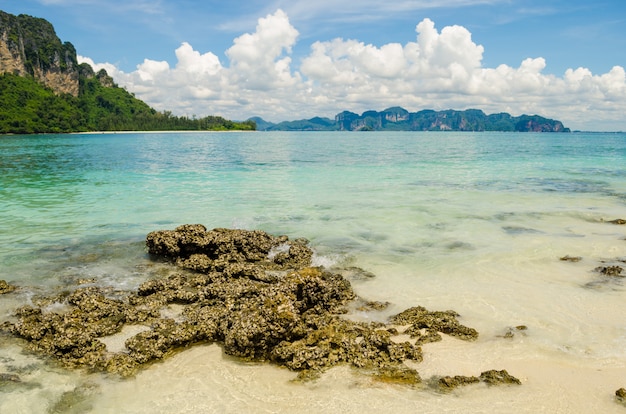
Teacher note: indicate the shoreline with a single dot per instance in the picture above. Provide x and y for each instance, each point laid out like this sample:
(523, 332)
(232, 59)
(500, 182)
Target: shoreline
(448, 347)
(152, 132)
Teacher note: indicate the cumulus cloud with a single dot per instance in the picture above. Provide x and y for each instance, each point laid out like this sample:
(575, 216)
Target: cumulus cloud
(109, 67)
(258, 61)
(435, 70)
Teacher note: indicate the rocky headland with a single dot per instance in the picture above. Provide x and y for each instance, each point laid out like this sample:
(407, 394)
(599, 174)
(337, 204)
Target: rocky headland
(29, 46)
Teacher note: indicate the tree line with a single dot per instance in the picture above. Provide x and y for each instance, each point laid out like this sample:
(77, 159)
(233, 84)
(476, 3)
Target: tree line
(27, 107)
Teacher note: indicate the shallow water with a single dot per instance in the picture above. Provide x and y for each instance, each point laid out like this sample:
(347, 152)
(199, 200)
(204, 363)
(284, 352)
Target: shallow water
(474, 222)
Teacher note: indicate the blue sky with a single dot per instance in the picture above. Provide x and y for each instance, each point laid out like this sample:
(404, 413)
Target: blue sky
(297, 59)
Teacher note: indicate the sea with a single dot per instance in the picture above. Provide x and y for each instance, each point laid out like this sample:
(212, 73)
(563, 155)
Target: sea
(475, 222)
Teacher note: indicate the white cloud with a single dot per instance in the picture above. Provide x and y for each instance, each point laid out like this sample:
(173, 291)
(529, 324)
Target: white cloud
(257, 60)
(151, 69)
(109, 67)
(438, 70)
(193, 62)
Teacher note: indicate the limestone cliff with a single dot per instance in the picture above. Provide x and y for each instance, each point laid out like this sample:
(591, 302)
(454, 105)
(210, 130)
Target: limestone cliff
(399, 119)
(29, 46)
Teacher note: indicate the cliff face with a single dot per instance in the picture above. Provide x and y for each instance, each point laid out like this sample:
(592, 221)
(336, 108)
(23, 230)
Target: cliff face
(29, 46)
(399, 119)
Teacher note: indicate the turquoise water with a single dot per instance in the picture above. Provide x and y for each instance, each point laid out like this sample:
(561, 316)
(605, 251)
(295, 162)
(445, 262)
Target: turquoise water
(475, 222)
(58, 189)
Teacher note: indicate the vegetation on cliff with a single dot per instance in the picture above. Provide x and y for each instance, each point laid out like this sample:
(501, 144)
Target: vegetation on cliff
(35, 41)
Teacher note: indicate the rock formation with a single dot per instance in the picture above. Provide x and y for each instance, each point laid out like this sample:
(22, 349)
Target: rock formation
(29, 46)
(399, 119)
(5, 287)
(254, 294)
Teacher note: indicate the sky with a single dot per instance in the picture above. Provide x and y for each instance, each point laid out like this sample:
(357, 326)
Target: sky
(289, 60)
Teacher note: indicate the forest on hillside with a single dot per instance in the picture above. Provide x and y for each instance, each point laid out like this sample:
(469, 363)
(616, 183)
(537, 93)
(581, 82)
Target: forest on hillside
(27, 107)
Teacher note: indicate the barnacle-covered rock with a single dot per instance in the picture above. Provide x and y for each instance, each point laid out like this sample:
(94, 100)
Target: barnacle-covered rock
(72, 336)
(254, 294)
(495, 377)
(448, 383)
(193, 247)
(612, 271)
(568, 258)
(5, 287)
(432, 322)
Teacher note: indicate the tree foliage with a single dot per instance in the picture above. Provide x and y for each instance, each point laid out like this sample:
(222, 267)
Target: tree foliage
(27, 107)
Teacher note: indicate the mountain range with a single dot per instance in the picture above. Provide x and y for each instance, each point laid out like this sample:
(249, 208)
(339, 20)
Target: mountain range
(399, 119)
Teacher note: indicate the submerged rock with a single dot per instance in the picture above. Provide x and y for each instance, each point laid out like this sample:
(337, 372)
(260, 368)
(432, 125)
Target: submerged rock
(372, 305)
(612, 271)
(494, 377)
(449, 383)
(355, 273)
(7, 378)
(5, 287)
(568, 258)
(255, 294)
(511, 331)
(617, 221)
(611, 275)
(76, 400)
(620, 395)
(398, 374)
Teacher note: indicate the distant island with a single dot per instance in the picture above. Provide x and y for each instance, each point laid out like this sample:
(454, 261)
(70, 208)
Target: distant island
(45, 90)
(399, 119)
